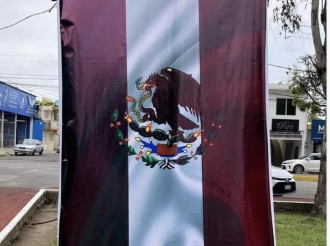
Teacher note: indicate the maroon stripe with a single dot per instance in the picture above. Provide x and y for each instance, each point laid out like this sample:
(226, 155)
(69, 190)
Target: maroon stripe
(235, 169)
(94, 196)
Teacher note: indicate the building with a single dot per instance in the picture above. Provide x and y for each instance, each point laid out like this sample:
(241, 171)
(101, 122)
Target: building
(17, 114)
(288, 126)
(315, 133)
(50, 117)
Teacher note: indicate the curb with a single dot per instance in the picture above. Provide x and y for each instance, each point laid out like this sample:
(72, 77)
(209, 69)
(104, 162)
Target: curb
(293, 206)
(306, 178)
(12, 230)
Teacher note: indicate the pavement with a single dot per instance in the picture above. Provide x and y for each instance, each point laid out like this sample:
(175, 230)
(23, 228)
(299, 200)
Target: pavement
(12, 202)
(30, 171)
(21, 177)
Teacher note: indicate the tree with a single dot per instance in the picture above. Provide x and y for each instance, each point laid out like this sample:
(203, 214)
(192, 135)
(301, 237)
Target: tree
(46, 103)
(309, 84)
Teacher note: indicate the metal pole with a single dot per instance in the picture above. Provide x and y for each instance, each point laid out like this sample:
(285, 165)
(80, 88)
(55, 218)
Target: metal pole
(15, 131)
(2, 126)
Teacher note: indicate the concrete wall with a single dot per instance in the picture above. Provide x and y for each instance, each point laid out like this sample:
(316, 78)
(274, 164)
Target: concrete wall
(282, 91)
(309, 147)
(50, 115)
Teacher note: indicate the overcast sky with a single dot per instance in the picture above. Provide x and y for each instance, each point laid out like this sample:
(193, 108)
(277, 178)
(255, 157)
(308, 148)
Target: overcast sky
(28, 50)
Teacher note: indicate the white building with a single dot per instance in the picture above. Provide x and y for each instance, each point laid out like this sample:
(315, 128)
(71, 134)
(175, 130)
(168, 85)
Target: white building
(50, 116)
(288, 126)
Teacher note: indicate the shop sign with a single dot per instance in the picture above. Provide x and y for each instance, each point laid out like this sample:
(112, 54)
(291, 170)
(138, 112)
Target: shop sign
(281, 125)
(317, 130)
(16, 101)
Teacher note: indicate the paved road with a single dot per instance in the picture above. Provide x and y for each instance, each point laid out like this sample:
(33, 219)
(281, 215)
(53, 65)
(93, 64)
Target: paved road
(30, 171)
(43, 172)
(304, 190)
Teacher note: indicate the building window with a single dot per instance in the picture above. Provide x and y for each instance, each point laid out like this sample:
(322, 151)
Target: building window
(47, 114)
(284, 107)
(51, 137)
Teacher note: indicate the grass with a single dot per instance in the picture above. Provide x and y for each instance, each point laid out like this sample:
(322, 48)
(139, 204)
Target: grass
(308, 178)
(300, 230)
(294, 230)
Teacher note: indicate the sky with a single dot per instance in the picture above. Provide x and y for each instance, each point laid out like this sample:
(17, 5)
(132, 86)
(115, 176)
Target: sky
(29, 50)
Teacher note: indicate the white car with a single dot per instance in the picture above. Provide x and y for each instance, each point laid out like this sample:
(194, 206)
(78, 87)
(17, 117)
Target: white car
(283, 182)
(29, 146)
(307, 163)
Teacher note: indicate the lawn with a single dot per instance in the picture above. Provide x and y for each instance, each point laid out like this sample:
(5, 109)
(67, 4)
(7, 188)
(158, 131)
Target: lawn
(300, 230)
(295, 230)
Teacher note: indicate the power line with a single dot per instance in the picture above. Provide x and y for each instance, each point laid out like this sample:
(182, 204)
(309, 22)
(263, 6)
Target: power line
(48, 10)
(30, 85)
(272, 65)
(29, 55)
(9, 82)
(28, 78)
(287, 68)
(28, 74)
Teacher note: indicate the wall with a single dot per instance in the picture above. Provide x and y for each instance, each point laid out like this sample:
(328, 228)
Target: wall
(281, 91)
(49, 116)
(50, 140)
(309, 147)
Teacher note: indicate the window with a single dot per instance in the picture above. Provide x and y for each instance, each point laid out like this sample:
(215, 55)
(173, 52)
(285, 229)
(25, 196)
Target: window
(51, 137)
(316, 157)
(290, 109)
(284, 107)
(47, 114)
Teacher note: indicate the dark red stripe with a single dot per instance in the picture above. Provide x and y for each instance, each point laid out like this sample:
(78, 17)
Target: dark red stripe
(95, 178)
(235, 169)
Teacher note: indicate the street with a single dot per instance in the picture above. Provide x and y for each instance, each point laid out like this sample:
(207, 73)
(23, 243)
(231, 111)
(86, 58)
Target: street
(43, 172)
(30, 171)
(304, 190)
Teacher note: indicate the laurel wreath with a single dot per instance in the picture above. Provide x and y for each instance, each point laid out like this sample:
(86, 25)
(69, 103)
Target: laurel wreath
(164, 163)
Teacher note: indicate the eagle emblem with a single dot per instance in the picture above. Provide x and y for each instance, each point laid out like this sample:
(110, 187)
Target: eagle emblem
(174, 96)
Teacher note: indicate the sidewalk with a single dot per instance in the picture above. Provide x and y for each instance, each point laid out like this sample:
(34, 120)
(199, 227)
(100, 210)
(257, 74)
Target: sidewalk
(292, 199)
(12, 202)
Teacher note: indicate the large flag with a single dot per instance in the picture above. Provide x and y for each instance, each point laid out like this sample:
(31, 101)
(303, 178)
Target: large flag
(164, 134)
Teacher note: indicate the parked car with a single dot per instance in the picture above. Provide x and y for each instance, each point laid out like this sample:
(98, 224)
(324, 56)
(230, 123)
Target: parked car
(283, 182)
(307, 163)
(29, 146)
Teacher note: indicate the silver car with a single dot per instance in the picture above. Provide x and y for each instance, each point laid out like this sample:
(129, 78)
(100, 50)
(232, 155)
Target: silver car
(29, 146)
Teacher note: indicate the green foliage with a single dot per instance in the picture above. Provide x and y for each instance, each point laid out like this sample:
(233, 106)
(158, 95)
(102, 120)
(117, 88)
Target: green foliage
(285, 13)
(115, 115)
(119, 135)
(307, 88)
(182, 160)
(200, 150)
(150, 160)
(131, 150)
(46, 103)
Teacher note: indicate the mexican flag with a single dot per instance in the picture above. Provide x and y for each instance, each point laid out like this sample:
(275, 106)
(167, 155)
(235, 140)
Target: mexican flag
(164, 134)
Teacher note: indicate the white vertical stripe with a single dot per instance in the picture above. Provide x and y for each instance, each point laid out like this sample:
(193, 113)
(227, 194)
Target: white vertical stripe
(60, 85)
(165, 206)
(268, 131)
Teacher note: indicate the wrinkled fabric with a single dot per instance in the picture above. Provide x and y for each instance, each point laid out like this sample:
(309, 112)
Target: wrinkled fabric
(122, 184)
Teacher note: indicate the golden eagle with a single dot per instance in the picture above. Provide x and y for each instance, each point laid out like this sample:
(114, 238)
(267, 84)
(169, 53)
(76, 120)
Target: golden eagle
(173, 88)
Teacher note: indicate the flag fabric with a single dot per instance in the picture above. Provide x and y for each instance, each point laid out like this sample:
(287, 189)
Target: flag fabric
(164, 134)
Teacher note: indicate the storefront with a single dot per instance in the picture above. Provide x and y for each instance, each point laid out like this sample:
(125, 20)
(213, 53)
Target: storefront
(286, 140)
(17, 111)
(317, 135)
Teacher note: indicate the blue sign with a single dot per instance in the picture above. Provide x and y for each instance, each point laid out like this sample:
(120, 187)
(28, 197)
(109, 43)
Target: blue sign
(317, 130)
(16, 101)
